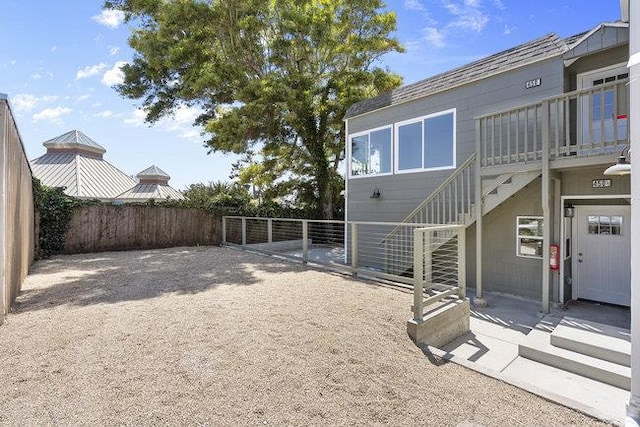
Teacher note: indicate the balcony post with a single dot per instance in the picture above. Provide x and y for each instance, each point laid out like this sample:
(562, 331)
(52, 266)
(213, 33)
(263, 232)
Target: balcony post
(479, 300)
(546, 208)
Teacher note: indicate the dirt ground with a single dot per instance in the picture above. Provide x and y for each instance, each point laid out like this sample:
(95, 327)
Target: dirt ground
(215, 336)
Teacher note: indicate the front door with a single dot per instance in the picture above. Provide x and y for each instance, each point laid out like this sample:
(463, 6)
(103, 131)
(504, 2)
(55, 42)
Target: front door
(602, 254)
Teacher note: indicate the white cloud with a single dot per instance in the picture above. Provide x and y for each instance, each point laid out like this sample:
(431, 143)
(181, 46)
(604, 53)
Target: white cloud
(499, 4)
(434, 37)
(52, 114)
(25, 102)
(468, 15)
(508, 29)
(113, 50)
(136, 119)
(82, 98)
(104, 114)
(180, 123)
(36, 75)
(90, 70)
(54, 48)
(414, 5)
(115, 75)
(109, 18)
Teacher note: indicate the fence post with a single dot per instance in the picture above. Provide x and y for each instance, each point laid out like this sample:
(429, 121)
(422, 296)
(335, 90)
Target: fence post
(244, 231)
(418, 272)
(305, 243)
(224, 230)
(270, 230)
(462, 263)
(354, 247)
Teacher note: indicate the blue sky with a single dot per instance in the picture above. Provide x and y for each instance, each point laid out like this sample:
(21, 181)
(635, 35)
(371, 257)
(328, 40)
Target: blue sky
(58, 61)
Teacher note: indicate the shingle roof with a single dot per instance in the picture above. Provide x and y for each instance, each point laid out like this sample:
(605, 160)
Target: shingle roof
(535, 50)
(82, 177)
(74, 140)
(151, 191)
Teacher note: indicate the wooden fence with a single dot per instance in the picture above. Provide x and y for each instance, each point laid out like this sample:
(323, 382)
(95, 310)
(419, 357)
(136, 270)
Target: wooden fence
(121, 228)
(17, 237)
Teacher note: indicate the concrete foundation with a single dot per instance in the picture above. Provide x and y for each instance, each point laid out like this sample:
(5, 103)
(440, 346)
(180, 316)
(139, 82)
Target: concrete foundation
(443, 324)
(286, 245)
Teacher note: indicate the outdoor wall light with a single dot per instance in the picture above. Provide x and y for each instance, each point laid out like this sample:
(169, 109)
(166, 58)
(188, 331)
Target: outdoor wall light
(375, 194)
(623, 167)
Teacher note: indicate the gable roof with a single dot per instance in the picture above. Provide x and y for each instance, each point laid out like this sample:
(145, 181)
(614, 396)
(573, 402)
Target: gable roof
(535, 50)
(604, 36)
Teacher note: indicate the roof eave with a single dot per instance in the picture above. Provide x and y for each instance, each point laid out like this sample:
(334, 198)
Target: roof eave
(444, 89)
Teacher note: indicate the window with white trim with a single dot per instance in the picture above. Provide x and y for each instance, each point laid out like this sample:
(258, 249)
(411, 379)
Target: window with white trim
(529, 236)
(426, 143)
(371, 152)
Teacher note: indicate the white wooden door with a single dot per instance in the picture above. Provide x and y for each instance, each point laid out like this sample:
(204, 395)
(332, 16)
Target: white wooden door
(602, 254)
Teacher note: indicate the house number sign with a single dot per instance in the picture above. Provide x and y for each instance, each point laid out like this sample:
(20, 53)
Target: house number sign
(533, 83)
(601, 183)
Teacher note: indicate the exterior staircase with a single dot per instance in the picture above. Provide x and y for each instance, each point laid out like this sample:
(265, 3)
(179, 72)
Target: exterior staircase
(453, 202)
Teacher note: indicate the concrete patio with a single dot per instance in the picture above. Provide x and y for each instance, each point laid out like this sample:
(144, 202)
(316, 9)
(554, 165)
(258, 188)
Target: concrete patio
(509, 328)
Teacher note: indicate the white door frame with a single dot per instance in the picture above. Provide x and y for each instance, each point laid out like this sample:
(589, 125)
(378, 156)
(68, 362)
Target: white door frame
(563, 254)
(580, 78)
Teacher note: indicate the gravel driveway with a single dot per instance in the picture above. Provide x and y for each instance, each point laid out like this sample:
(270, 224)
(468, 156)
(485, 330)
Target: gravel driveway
(216, 336)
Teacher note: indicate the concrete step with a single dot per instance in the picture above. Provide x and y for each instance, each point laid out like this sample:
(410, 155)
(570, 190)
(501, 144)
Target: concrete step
(538, 347)
(594, 339)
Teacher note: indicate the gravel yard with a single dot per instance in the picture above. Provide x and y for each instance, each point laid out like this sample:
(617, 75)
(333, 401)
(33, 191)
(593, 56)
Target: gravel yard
(220, 337)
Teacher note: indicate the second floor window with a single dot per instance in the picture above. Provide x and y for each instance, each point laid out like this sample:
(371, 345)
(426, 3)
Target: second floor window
(371, 152)
(426, 143)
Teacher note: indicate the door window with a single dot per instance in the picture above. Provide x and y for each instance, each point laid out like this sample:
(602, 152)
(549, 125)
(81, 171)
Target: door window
(610, 225)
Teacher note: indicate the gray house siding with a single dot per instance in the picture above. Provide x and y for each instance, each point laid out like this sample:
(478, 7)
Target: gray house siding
(502, 270)
(603, 38)
(401, 193)
(579, 183)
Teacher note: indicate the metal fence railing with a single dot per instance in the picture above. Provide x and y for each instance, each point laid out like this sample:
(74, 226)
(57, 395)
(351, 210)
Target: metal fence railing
(363, 248)
(439, 266)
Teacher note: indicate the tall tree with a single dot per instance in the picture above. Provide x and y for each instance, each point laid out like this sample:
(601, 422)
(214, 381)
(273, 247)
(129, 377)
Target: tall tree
(273, 77)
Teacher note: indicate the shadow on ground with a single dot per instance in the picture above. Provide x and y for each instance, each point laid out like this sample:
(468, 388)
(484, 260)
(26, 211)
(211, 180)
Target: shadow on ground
(113, 277)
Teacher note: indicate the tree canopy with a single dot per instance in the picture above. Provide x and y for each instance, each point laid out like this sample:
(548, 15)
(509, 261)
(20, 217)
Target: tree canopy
(273, 79)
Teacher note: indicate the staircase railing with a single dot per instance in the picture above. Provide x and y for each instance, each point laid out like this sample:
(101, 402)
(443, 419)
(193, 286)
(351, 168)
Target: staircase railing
(451, 203)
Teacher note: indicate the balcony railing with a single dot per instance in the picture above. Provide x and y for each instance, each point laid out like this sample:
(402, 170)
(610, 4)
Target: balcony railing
(580, 123)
